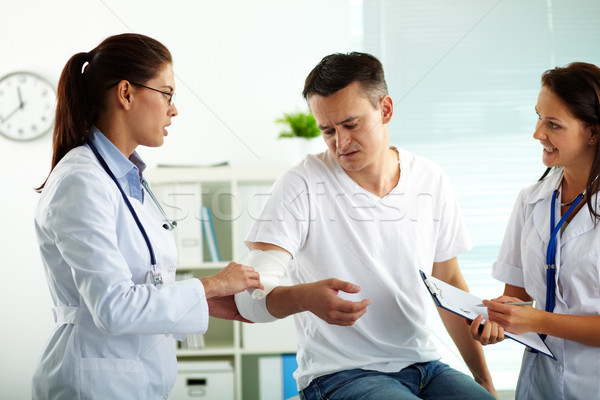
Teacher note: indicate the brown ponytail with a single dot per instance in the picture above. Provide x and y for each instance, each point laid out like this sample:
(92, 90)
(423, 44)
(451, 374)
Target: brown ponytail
(86, 79)
(72, 111)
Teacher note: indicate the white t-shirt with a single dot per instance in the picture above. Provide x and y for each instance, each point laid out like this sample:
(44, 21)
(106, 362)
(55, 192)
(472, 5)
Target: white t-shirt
(522, 263)
(336, 229)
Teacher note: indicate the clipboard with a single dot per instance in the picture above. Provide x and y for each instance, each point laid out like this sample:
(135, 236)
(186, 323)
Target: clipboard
(465, 304)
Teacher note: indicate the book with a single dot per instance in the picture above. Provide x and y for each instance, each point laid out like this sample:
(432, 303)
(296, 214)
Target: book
(275, 377)
(187, 198)
(213, 165)
(180, 203)
(290, 365)
(208, 230)
(251, 199)
(193, 341)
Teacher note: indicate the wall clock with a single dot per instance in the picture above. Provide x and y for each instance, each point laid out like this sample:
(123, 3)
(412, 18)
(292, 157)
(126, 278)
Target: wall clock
(27, 106)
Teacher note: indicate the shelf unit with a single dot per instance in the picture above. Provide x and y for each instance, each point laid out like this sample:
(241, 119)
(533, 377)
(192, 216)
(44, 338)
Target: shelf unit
(234, 196)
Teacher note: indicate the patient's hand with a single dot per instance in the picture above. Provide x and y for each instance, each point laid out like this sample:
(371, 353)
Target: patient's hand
(224, 308)
(321, 298)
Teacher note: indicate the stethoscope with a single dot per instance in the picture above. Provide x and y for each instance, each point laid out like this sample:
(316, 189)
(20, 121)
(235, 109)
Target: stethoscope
(551, 253)
(157, 278)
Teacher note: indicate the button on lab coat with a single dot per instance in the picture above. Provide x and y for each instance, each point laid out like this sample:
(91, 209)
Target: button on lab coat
(522, 262)
(114, 333)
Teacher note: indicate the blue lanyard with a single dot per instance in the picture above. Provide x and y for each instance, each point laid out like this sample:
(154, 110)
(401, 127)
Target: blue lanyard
(156, 277)
(551, 253)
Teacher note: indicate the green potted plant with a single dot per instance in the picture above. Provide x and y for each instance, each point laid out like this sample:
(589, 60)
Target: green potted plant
(299, 124)
(300, 134)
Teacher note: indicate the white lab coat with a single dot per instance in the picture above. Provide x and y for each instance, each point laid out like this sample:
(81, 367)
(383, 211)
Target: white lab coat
(521, 262)
(114, 331)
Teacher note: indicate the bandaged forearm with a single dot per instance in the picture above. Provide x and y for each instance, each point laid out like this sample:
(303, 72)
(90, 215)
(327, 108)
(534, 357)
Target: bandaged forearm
(271, 266)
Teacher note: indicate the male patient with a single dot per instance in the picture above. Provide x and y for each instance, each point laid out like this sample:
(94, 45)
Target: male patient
(352, 226)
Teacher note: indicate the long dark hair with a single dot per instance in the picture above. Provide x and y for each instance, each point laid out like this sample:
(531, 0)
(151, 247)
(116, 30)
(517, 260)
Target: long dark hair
(578, 85)
(86, 78)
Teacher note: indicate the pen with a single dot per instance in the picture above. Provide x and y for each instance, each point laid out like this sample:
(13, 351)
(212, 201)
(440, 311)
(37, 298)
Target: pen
(516, 303)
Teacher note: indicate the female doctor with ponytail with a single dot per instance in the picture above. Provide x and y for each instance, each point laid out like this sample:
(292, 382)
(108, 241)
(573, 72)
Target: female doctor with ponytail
(107, 249)
(551, 249)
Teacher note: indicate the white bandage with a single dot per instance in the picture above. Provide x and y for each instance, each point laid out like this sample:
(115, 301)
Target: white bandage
(271, 266)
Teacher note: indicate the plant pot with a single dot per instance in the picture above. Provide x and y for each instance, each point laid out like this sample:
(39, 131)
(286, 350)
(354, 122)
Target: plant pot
(300, 147)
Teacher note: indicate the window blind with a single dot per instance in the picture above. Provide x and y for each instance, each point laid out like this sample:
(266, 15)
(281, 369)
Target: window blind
(464, 76)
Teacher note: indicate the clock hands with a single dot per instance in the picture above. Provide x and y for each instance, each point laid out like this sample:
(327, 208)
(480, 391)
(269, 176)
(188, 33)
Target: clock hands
(10, 114)
(21, 103)
(19, 107)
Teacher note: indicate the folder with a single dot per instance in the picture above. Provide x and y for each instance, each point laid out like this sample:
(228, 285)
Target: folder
(180, 203)
(187, 198)
(208, 228)
(467, 306)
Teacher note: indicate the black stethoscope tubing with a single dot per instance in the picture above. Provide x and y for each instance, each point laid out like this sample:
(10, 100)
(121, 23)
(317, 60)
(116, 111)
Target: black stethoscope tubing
(157, 278)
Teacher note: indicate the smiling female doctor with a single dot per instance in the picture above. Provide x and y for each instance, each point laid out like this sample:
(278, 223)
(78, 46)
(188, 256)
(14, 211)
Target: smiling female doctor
(551, 250)
(107, 249)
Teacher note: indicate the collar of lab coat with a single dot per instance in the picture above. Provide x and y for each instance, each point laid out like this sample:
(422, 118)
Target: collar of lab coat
(128, 171)
(542, 196)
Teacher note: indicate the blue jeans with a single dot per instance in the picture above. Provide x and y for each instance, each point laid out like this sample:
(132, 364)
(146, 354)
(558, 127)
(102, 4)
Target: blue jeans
(430, 380)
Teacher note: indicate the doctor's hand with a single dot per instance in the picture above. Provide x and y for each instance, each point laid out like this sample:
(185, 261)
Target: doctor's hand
(513, 319)
(232, 279)
(321, 298)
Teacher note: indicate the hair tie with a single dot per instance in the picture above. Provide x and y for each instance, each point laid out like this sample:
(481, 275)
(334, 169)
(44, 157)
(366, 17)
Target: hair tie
(87, 59)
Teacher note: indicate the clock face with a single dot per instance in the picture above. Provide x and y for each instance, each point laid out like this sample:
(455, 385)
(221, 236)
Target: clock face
(27, 106)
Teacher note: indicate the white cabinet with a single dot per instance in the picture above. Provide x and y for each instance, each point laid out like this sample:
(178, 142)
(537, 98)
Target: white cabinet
(204, 380)
(233, 196)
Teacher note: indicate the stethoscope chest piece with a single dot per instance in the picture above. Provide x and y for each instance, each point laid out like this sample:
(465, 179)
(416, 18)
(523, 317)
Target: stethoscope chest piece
(157, 278)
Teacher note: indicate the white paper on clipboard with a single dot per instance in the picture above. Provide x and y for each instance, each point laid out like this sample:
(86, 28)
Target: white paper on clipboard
(465, 304)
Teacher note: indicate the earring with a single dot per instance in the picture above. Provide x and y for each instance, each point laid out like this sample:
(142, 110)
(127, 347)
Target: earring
(592, 140)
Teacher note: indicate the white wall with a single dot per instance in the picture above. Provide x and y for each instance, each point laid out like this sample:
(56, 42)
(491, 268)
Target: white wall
(239, 64)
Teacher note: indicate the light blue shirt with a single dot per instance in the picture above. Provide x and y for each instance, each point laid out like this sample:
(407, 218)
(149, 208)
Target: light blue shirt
(127, 171)
(113, 337)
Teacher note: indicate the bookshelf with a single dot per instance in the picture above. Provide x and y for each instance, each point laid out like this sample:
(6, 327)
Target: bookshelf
(233, 196)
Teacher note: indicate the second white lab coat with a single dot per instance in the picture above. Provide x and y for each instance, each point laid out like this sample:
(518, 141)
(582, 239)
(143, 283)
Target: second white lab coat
(522, 262)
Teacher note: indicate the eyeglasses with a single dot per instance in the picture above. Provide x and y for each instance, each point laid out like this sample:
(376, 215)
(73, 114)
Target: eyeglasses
(169, 96)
